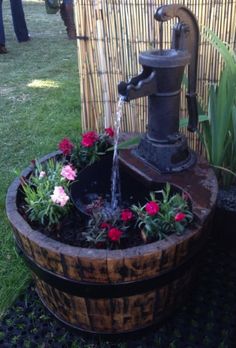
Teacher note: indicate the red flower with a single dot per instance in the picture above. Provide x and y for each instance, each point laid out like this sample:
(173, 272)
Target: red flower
(126, 215)
(66, 146)
(152, 208)
(105, 225)
(109, 132)
(89, 139)
(114, 234)
(179, 217)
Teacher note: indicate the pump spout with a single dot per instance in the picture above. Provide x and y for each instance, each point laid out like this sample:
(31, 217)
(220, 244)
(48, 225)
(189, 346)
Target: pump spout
(142, 85)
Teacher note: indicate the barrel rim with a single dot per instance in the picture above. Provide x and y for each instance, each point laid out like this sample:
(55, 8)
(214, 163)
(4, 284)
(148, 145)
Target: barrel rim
(23, 228)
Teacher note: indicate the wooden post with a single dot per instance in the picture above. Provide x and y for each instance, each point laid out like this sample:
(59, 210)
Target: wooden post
(102, 62)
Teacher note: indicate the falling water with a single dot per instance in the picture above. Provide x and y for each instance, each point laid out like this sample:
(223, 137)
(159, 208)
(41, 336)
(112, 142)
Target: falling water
(115, 182)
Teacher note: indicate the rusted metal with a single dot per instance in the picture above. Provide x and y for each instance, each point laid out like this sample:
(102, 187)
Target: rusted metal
(163, 146)
(199, 180)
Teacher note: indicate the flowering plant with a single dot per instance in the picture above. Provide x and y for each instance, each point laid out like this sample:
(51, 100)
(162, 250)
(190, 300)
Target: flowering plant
(160, 217)
(46, 192)
(163, 214)
(88, 149)
(47, 202)
(108, 232)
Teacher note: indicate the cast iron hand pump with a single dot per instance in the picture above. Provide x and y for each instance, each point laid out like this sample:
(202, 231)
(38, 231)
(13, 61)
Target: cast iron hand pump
(163, 146)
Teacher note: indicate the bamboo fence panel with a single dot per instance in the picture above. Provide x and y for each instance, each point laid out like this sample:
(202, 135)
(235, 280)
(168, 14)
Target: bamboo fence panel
(111, 33)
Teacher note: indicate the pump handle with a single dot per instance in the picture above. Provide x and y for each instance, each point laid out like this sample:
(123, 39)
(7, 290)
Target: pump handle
(185, 37)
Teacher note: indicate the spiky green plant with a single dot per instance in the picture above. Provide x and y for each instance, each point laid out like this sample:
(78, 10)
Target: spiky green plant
(219, 130)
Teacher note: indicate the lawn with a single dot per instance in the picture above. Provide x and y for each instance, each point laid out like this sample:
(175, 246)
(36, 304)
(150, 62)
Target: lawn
(39, 105)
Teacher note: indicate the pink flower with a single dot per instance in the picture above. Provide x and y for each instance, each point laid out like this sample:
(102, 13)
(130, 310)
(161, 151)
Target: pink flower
(59, 196)
(89, 139)
(109, 132)
(179, 217)
(68, 172)
(114, 234)
(42, 174)
(66, 146)
(126, 215)
(152, 208)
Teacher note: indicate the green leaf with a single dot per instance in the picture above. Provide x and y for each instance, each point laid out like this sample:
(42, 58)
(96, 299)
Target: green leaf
(224, 49)
(218, 131)
(127, 143)
(184, 121)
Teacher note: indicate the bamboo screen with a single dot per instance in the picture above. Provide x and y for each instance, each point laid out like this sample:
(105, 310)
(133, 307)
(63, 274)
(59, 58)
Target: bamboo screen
(111, 35)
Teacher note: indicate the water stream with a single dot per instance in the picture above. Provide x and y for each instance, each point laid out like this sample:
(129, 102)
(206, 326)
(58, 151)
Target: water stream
(99, 196)
(115, 177)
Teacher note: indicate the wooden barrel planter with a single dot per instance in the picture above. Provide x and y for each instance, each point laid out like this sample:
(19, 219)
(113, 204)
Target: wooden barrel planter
(113, 291)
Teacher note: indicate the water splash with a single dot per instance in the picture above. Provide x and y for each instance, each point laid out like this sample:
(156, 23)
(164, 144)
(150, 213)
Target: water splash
(115, 176)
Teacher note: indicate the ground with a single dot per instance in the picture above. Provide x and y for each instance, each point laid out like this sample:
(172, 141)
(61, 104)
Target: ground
(39, 105)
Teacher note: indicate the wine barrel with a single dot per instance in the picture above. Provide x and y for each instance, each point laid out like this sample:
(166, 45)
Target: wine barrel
(113, 291)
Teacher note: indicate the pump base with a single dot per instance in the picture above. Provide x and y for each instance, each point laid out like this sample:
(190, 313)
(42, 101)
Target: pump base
(166, 157)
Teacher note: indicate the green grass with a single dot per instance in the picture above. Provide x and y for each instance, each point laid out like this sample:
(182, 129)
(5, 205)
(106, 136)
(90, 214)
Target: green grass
(39, 105)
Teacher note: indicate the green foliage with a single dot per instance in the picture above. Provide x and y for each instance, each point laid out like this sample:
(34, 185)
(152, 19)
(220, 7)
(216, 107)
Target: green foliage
(106, 227)
(39, 189)
(219, 130)
(126, 144)
(94, 233)
(165, 213)
(82, 156)
(171, 214)
(99, 225)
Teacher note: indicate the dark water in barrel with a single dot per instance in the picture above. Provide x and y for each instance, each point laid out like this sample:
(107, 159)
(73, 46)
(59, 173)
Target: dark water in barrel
(101, 188)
